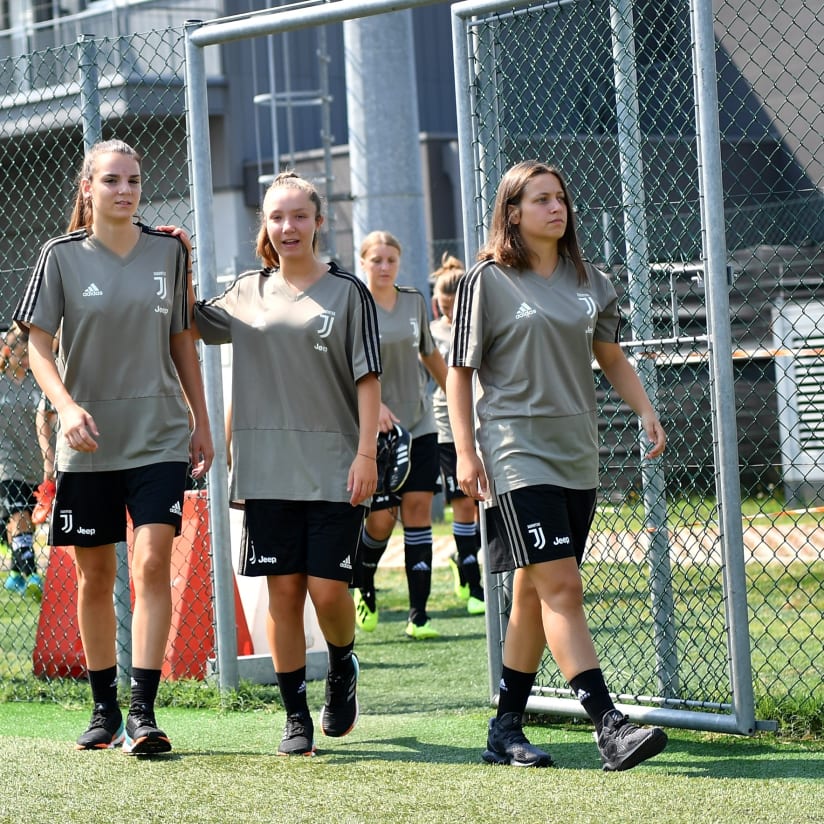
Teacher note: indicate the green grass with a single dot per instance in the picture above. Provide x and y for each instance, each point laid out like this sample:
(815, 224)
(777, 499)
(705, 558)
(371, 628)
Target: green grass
(414, 756)
(763, 509)
(786, 608)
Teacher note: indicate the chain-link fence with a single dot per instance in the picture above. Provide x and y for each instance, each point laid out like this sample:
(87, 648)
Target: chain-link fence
(131, 88)
(609, 92)
(559, 82)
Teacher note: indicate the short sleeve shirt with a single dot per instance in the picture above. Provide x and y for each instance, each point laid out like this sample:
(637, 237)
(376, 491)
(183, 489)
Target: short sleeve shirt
(442, 335)
(530, 339)
(20, 457)
(405, 336)
(296, 360)
(116, 316)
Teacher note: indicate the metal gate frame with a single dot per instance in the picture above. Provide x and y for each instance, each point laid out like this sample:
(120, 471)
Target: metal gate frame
(479, 166)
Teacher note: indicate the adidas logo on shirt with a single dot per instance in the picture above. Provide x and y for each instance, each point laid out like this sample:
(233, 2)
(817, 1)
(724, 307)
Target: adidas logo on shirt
(346, 563)
(174, 509)
(524, 311)
(92, 291)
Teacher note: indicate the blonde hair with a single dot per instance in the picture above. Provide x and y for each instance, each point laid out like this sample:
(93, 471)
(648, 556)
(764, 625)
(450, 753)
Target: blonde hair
(285, 180)
(82, 215)
(447, 277)
(379, 238)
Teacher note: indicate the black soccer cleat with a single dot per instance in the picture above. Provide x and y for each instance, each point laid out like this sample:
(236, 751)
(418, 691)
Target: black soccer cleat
(105, 730)
(507, 744)
(143, 736)
(393, 459)
(298, 735)
(624, 745)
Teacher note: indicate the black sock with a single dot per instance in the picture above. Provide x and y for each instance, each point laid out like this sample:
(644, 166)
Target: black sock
(514, 690)
(340, 657)
(591, 690)
(370, 552)
(104, 686)
(417, 549)
(292, 686)
(144, 688)
(465, 540)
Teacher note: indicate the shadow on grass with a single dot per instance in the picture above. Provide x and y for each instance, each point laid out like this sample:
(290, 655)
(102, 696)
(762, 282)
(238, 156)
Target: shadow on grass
(742, 758)
(408, 748)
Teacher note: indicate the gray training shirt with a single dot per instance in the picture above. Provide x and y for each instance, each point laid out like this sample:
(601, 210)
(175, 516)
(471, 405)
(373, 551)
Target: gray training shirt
(442, 335)
(404, 336)
(115, 317)
(296, 359)
(530, 338)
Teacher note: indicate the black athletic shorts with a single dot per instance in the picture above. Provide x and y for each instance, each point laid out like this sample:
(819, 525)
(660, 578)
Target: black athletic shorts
(535, 524)
(423, 473)
(449, 462)
(90, 507)
(317, 538)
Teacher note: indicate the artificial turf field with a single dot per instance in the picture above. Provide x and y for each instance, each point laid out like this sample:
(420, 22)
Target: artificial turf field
(414, 756)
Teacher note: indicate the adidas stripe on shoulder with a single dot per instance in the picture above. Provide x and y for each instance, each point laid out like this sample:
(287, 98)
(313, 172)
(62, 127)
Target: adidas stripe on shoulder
(25, 309)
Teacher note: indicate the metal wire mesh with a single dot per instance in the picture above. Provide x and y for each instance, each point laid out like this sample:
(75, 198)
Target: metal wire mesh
(138, 88)
(542, 84)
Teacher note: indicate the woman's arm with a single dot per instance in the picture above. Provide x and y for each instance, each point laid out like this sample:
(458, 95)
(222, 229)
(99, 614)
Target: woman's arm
(624, 379)
(77, 425)
(363, 474)
(470, 471)
(184, 356)
(436, 366)
(46, 423)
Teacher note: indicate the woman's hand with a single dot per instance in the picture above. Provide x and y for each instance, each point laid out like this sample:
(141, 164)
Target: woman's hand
(79, 428)
(201, 451)
(471, 476)
(655, 433)
(182, 234)
(386, 419)
(363, 479)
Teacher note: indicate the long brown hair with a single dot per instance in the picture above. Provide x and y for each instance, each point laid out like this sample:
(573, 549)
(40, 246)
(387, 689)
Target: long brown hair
(285, 180)
(505, 244)
(82, 215)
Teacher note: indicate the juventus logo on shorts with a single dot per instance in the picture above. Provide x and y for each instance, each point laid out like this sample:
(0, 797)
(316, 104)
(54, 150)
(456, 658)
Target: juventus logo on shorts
(66, 521)
(537, 533)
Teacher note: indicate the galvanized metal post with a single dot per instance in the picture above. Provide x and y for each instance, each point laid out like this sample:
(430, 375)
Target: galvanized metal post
(197, 111)
(637, 259)
(722, 379)
(89, 94)
(386, 176)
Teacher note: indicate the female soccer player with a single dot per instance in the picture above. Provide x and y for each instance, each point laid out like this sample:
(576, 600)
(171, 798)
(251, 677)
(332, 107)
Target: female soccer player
(304, 424)
(117, 291)
(19, 460)
(406, 348)
(464, 563)
(528, 320)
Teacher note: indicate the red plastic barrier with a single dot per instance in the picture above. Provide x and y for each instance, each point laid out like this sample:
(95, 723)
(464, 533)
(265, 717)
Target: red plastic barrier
(58, 652)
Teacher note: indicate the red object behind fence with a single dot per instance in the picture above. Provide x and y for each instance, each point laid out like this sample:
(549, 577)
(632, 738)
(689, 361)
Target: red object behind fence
(58, 652)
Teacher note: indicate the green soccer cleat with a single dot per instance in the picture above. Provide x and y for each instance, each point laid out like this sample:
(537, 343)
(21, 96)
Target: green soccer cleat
(366, 617)
(423, 632)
